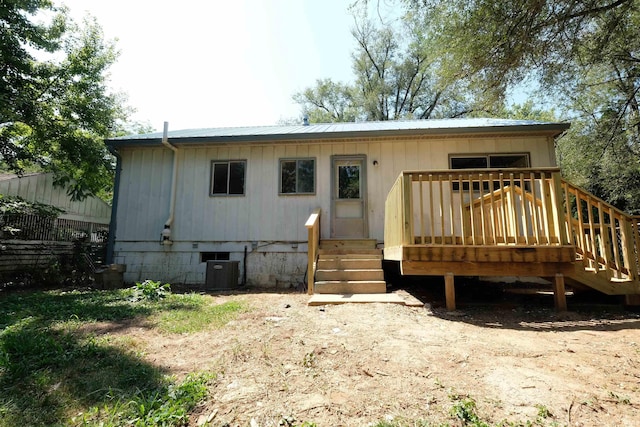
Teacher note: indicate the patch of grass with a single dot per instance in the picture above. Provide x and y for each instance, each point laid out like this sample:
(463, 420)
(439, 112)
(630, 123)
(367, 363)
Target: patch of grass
(50, 371)
(165, 406)
(195, 314)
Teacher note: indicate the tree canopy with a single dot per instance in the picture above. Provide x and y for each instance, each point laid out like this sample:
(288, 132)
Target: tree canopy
(55, 104)
(398, 75)
(585, 56)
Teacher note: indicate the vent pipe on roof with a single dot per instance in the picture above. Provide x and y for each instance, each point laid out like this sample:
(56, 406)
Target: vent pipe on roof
(165, 235)
(305, 120)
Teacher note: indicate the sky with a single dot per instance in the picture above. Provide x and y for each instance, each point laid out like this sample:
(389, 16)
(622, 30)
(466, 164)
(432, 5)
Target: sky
(219, 63)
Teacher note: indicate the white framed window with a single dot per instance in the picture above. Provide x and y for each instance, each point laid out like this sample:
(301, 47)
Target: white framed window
(486, 161)
(228, 177)
(297, 176)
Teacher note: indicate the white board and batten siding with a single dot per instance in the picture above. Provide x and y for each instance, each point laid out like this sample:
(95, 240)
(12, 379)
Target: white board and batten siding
(269, 225)
(39, 187)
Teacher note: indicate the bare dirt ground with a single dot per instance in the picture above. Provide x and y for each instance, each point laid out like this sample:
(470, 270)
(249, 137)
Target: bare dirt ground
(353, 365)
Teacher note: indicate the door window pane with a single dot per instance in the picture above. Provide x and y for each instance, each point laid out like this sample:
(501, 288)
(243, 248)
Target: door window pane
(349, 182)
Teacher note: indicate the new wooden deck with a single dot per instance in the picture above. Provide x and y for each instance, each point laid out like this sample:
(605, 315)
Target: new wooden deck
(515, 222)
(512, 222)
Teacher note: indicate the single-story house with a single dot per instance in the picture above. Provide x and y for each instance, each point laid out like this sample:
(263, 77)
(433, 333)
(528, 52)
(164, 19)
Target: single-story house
(253, 188)
(439, 197)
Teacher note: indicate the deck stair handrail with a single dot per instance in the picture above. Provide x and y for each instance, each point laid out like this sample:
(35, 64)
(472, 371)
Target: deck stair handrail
(313, 227)
(607, 240)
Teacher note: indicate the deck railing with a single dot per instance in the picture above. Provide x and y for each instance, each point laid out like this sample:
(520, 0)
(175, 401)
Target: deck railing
(313, 227)
(607, 240)
(475, 207)
(523, 207)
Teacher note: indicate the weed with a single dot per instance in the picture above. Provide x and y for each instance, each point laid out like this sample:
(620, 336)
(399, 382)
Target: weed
(620, 399)
(309, 360)
(543, 412)
(290, 421)
(464, 409)
(149, 291)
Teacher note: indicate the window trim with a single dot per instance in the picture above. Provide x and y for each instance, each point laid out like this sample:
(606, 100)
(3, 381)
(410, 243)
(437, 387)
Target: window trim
(228, 163)
(296, 159)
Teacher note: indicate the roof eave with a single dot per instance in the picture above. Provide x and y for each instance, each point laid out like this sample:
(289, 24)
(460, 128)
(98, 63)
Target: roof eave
(553, 129)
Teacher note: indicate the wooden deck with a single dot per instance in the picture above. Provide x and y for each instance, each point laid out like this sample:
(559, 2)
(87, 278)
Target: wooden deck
(527, 222)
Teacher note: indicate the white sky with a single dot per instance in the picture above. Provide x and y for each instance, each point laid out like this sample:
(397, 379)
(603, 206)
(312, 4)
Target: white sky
(199, 63)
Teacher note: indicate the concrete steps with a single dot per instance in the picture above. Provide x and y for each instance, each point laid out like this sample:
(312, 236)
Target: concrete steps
(350, 266)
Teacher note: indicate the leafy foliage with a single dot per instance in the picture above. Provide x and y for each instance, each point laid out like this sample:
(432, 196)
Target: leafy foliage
(585, 57)
(149, 291)
(55, 106)
(14, 205)
(398, 75)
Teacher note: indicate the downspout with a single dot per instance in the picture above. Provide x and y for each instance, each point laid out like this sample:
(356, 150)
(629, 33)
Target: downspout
(111, 239)
(165, 236)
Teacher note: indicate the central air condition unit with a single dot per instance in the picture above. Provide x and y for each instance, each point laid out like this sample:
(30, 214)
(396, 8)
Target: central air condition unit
(222, 275)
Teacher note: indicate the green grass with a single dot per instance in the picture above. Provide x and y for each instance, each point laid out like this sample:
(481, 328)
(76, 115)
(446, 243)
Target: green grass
(50, 371)
(194, 314)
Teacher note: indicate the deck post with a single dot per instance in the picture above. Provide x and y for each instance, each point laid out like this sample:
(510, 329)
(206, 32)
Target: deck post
(313, 227)
(450, 291)
(632, 300)
(559, 295)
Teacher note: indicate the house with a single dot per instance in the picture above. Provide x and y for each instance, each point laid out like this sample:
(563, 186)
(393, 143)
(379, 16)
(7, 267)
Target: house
(275, 198)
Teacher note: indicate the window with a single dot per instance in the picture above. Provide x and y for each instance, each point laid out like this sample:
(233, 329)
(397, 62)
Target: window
(492, 161)
(214, 256)
(298, 176)
(227, 178)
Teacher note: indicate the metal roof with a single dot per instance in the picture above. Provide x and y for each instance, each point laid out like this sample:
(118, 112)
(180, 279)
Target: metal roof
(343, 130)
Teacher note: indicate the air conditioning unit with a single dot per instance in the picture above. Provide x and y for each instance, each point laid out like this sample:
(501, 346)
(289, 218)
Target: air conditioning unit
(222, 275)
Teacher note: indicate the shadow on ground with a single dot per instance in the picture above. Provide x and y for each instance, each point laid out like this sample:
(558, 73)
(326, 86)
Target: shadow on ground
(48, 368)
(525, 306)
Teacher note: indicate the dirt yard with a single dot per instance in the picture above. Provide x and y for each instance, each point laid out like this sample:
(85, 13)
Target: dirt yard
(356, 365)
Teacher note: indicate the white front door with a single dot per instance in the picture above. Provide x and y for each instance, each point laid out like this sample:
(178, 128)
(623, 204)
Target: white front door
(348, 197)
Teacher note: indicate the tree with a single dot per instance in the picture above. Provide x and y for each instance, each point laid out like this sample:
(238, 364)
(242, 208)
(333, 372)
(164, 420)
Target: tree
(584, 54)
(55, 106)
(397, 68)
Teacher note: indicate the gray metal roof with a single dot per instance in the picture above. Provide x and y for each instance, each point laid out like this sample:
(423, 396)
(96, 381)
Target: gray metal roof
(343, 130)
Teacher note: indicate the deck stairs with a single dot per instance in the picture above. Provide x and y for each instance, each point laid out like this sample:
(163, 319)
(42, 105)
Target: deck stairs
(349, 266)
